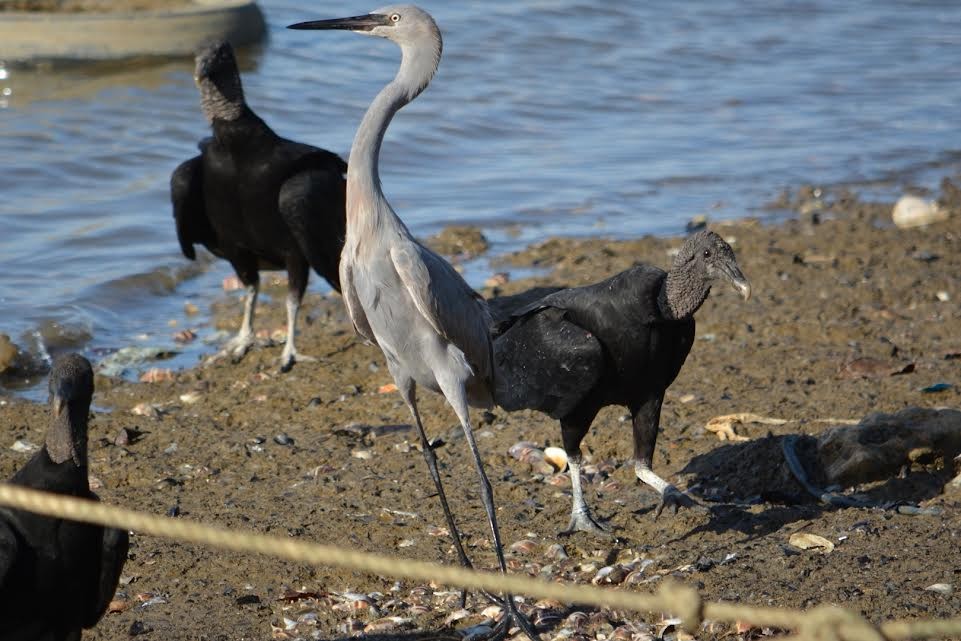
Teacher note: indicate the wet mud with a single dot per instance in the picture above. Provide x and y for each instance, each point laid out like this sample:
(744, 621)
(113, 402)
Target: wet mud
(322, 454)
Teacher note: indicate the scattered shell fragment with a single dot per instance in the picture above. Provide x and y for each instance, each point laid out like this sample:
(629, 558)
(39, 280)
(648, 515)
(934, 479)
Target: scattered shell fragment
(524, 546)
(387, 388)
(146, 409)
(492, 612)
(157, 375)
(526, 452)
(23, 446)
(808, 541)
(437, 530)
(556, 551)
(941, 588)
(185, 336)
(230, 283)
(362, 454)
(723, 426)
(943, 296)
(868, 367)
(912, 211)
(118, 605)
(557, 457)
(190, 398)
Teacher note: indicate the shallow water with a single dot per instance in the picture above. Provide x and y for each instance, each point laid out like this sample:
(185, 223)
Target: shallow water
(545, 118)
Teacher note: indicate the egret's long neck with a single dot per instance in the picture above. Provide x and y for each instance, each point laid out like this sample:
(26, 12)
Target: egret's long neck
(417, 67)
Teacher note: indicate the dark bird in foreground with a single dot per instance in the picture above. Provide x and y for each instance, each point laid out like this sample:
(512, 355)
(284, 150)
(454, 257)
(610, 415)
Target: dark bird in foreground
(618, 342)
(257, 200)
(58, 577)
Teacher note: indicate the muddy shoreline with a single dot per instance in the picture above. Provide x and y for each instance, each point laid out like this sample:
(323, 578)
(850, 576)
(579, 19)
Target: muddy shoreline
(320, 454)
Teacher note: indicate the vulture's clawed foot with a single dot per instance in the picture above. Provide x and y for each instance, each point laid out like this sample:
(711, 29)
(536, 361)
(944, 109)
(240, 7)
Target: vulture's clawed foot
(675, 499)
(288, 359)
(583, 521)
(235, 349)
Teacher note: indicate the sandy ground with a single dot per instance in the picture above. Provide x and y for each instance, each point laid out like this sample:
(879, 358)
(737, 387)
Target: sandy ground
(829, 288)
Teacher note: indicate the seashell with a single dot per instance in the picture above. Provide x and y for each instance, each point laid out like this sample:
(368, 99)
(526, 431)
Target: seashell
(457, 615)
(351, 626)
(494, 612)
(611, 574)
(190, 398)
(437, 530)
(524, 546)
(546, 618)
(550, 604)
(514, 564)
(559, 480)
(912, 211)
(278, 335)
(385, 624)
(387, 388)
(157, 375)
(118, 605)
(526, 452)
(576, 619)
(610, 485)
(24, 446)
(808, 541)
(406, 543)
(362, 454)
(418, 610)
(94, 482)
(556, 551)
(185, 336)
(557, 457)
(941, 588)
(145, 409)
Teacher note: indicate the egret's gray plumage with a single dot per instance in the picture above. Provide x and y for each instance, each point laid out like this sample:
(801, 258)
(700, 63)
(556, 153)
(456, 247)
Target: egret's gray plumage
(432, 327)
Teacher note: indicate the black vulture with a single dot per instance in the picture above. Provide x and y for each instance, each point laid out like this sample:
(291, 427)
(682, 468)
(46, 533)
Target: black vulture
(621, 341)
(58, 577)
(257, 200)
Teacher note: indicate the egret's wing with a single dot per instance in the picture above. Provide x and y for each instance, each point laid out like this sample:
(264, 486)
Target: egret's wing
(453, 309)
(354, 309)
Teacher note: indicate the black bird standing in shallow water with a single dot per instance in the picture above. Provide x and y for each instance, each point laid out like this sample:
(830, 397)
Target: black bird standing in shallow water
(618, 342)
(57, 577)
(257, 200)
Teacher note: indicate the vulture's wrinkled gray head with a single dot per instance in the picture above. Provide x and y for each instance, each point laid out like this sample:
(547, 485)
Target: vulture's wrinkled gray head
(71, 391)
(703, 259)
(217, 77)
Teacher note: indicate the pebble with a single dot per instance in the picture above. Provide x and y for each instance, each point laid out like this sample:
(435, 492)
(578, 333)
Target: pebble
(283, 439)
(185, 336)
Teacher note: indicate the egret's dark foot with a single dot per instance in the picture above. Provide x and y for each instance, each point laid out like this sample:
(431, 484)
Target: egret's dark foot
(288, 359)
(583, 521)
(512, 617)
(675, 499)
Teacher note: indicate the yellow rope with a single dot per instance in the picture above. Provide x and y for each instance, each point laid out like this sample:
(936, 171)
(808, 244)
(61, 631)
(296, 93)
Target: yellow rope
(821, 623)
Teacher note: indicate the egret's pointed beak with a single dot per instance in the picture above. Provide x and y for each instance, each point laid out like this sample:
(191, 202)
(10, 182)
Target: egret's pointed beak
(356, 23)
(733, 273)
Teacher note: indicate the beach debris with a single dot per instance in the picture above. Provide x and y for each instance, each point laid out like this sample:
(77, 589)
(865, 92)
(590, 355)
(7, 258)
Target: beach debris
(139, 627)
(557, 458)
(189, 398)
(526, 452)
(723, 426)
(283, 439)
(157, 375)
(937, 387)
(880, 446)
(942, 296)
(387, 388)
(808, 541)
(21, 445)
(146, 409)
(868, 367)
(913, 211)
(232, 283)
(185, 336)
(524, 546)
(362, 454)
(498, 279)
(8, 353)
(941, 588)
(126, 358)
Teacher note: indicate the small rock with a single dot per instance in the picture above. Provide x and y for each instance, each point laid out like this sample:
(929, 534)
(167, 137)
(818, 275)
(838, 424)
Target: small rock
(190, 309)
(171, 448)
(185, 336)
(912, 211)
(247, 599)
(315, 402)
(283, 439)
(139, 627)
